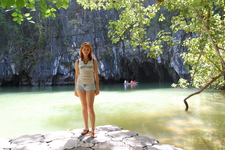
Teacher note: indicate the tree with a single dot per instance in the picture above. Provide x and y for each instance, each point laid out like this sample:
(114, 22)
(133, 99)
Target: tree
(47, 8)
(202, 19)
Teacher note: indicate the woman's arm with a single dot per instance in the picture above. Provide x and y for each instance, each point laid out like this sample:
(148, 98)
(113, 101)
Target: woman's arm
(76, 77)
(97, 91)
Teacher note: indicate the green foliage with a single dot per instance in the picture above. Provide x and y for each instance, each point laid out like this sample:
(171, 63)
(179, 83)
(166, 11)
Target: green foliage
(202, 19)
(205, 21)
(47, 8)
(182, 83)
(24, 44)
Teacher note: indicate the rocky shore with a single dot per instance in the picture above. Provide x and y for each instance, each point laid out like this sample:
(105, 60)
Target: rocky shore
(109, 137)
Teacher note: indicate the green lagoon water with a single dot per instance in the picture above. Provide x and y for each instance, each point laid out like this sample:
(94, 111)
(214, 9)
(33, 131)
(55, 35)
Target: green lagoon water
(154, 110)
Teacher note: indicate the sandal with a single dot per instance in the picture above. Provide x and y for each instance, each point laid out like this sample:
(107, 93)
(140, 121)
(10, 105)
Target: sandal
(93, 135)
(85, 131)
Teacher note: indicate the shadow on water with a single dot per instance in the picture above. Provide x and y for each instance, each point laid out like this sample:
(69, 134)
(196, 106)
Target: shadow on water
(175, 127)
(212, 115)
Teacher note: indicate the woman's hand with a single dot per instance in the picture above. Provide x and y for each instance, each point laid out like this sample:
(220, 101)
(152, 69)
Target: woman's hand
(75, 93)
(97, 92)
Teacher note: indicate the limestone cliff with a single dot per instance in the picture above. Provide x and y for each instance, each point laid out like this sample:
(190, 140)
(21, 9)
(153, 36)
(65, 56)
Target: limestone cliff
(46, 55)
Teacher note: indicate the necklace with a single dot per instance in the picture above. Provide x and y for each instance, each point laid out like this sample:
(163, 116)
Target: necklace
(85, 61)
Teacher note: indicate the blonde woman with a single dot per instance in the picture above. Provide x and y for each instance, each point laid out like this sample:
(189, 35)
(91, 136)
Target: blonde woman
(87, 85)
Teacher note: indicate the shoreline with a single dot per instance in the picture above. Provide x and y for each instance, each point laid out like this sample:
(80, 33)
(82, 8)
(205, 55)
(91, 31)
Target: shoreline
(109, 137)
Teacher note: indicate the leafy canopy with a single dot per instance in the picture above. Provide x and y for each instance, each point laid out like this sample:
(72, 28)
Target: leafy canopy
(47, 8)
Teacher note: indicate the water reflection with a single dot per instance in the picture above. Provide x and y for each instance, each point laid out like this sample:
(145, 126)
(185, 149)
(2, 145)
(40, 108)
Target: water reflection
(128, 87)
(55, 88)
(139, 86)
(209, 133)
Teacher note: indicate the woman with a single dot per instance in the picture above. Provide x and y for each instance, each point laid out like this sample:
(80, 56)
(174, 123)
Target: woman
(87, 85)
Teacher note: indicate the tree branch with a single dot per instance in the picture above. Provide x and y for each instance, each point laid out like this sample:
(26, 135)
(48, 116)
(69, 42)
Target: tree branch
(204, 87)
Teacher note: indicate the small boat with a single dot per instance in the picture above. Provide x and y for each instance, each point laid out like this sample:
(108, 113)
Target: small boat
(130, 83)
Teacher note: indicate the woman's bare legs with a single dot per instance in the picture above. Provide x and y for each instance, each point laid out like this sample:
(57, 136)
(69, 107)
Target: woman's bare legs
(87, 101)
(90, 96)
(82, 96)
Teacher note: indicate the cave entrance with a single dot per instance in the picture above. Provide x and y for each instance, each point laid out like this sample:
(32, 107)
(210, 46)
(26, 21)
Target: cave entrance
(15, 80)
(147, 73)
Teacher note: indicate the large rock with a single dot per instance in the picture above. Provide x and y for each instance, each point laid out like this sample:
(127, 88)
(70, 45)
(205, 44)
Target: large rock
(109, 137)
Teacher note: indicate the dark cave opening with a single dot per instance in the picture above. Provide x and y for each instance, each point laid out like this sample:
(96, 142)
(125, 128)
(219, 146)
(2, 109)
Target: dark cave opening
(147, 73)
(13, 82)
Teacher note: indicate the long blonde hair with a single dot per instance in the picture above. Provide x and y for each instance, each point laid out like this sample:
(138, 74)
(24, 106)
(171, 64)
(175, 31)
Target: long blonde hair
(86, 44)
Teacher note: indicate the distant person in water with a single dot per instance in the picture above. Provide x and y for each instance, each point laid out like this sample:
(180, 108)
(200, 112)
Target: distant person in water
(87, 85)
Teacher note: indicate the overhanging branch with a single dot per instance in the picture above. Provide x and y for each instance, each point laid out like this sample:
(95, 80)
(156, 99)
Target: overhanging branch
(204, 87)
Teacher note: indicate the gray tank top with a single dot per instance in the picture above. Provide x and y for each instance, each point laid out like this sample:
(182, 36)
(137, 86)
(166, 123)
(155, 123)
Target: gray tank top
(86, 75)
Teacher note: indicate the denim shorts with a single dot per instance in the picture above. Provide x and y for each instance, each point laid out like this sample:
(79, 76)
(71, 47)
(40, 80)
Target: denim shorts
(85, 87)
